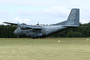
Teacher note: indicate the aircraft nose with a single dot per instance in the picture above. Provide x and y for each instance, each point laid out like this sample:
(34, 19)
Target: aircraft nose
(15, 32)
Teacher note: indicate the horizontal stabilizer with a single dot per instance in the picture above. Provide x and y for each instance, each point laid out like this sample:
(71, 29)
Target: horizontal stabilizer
(70, 26)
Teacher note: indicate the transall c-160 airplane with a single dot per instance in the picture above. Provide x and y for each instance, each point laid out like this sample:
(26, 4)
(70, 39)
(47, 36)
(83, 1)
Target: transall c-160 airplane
(35, 31)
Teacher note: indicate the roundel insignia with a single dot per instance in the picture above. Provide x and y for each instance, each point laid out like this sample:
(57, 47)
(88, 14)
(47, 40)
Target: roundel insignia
(55, 28)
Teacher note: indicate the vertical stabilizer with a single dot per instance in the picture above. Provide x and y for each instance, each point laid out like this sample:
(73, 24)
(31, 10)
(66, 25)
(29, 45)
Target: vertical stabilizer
(73, 19)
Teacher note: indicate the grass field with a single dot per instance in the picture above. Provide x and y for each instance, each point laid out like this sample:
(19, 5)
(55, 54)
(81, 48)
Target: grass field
(44, 49)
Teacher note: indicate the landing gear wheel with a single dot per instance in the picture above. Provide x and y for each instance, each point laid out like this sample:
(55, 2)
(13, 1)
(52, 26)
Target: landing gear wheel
(34, 37)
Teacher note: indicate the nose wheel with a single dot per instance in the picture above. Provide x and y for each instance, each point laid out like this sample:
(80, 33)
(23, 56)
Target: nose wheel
(18, 36)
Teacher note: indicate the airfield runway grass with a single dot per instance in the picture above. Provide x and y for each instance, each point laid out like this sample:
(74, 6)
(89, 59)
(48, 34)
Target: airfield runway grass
(44, 49)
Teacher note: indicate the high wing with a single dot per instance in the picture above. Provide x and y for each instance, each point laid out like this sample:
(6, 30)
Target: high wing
(24, 27)
(10, 23)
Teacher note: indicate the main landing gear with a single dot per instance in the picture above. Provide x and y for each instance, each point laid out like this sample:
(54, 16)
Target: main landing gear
(34, 37)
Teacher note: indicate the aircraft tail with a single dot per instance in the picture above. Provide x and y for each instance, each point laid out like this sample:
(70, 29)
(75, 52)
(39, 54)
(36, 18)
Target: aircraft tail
(73, 19)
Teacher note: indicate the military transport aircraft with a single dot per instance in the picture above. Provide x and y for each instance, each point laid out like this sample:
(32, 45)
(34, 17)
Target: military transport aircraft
(35, 31)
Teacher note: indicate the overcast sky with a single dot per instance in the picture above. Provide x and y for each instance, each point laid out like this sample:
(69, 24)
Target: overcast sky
(42, 11)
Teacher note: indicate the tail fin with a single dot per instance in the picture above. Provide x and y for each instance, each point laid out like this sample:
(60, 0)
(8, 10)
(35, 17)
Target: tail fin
(73, 19)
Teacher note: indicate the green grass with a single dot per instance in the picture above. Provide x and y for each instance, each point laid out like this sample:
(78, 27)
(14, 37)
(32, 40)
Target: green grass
(44, 49)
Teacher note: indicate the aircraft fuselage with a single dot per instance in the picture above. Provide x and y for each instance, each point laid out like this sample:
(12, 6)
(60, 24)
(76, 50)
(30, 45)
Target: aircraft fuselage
(46, 30)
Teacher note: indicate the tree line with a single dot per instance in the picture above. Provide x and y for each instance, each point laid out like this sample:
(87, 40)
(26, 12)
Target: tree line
(6, 31)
